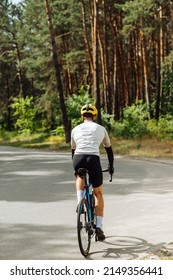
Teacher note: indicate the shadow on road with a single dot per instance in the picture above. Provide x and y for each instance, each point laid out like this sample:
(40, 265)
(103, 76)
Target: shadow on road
(125, 247)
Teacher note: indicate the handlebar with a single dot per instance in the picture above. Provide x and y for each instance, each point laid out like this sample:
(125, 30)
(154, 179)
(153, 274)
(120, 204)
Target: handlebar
(107, 170)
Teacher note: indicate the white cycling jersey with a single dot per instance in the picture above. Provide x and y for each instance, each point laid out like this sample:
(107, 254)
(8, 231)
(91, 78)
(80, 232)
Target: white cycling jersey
(87, 137)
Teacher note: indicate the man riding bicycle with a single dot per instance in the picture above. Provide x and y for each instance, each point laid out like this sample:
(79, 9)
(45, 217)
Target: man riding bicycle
(86, 139)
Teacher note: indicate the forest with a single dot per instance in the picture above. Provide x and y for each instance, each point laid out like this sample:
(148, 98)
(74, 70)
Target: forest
(57, 55)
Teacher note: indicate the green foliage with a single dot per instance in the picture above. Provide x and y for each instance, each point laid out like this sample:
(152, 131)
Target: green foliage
(134, 124)
(72, 60)
(137, 111)
(3, 134)
(135, 10)
(42, 114)
(49, 111)
(25, 113)
(107, 119)
(75, 102)
(165, 127)
(58, 131)
(162, 129)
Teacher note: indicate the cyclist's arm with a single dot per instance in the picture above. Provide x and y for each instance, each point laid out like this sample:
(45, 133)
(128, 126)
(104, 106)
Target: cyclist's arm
(110, 155)
(72, 152)
(73, 144)
(107, 145)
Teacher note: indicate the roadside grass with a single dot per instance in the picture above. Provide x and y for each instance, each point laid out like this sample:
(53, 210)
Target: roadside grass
(34, 141)
(145, 147)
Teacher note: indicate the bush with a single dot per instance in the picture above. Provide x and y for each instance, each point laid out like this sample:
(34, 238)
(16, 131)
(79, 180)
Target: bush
(162, 129)
(165, 127)
(58, 131)
(25, 113)
(134, 124)
(4, 135)
(130, 130)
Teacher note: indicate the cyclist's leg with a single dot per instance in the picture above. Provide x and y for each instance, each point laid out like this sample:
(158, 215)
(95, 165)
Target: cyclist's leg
(78, 162)
(99, 208)
(99, 213)
(99, 201)
(79, 188)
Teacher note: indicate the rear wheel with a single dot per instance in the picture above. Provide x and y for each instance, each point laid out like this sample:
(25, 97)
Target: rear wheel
(83, 227)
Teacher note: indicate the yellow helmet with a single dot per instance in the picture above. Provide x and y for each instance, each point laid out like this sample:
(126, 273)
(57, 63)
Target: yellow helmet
(89, 108)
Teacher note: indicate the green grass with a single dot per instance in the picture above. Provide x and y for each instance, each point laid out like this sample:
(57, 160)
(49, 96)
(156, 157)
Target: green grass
(36, 141)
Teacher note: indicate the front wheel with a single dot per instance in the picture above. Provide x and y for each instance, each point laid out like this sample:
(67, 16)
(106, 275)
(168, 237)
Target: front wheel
(83, 227)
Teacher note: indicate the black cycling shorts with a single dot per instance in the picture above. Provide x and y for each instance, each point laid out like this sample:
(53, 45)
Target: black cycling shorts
(92, 164)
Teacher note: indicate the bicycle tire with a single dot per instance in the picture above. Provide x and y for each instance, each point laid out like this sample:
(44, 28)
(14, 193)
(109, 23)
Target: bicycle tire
(83, 227)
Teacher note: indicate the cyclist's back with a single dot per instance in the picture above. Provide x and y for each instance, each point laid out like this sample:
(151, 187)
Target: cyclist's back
(87, 137)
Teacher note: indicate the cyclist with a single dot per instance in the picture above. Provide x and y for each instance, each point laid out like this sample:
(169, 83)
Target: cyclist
(86, 139)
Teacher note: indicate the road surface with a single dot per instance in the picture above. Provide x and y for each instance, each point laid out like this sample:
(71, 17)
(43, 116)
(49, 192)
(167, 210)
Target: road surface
(38, 203)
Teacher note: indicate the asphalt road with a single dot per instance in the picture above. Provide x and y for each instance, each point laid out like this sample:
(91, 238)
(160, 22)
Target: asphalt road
(38, 203)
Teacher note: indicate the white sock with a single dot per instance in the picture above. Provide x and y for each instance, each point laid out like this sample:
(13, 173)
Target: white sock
(79, 195)
(99, 222)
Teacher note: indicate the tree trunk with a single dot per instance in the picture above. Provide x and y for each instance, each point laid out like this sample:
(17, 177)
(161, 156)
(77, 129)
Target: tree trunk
(115, 91)
(146, 68)
(56, 64)
(103, 42)
(95, 61)
(86, 34)
(158, 78)
(8, 104)
(161, 48)
(21, 83)
(136, 66)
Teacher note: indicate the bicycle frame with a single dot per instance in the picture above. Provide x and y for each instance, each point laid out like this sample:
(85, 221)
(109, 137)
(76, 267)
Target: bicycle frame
(87, 195)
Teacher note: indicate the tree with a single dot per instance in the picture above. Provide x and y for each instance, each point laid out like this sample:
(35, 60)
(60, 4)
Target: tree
(58, 73)
(10, 56)
(96, 74)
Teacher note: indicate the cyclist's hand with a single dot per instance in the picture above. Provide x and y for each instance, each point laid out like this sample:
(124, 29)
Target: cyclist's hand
(111, 169)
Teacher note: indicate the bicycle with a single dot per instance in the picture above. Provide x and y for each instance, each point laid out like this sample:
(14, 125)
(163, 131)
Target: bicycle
(86, 218)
